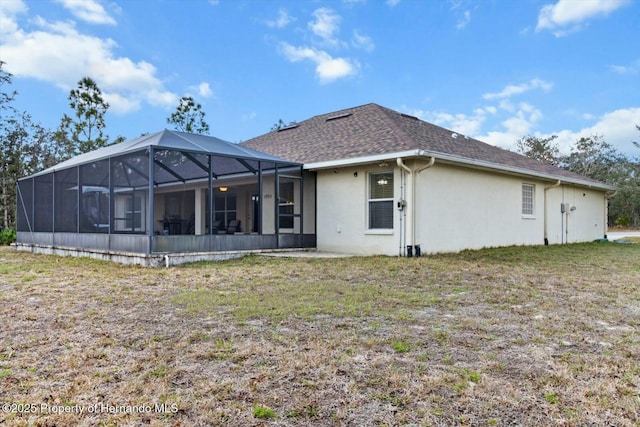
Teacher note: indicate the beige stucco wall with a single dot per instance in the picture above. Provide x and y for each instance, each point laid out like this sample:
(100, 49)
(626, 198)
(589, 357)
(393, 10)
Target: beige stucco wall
(585, 223)
(342, 212)
(456, 208)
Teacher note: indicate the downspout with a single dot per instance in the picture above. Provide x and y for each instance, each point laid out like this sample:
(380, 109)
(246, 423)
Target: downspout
(546, 237)
(412, 202)
(427, 166)
(401, 164)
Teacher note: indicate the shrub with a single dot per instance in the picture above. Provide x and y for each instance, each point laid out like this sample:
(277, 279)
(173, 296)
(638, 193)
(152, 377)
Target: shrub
(7, 236)
(623, 221)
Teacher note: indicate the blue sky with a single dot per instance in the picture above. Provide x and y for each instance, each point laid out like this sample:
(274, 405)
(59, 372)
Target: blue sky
(496, 70)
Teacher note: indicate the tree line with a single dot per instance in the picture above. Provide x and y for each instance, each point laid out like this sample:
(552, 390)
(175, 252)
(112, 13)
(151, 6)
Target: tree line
(27, 147)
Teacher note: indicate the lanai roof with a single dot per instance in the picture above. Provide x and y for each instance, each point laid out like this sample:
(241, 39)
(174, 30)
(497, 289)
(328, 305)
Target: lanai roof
(370, 131)
(171, 140)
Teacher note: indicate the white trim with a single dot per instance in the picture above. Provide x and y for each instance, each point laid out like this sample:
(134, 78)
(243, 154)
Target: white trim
(480, 164)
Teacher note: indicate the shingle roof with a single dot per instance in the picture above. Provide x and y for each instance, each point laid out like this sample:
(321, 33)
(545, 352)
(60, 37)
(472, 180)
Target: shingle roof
(371, 129)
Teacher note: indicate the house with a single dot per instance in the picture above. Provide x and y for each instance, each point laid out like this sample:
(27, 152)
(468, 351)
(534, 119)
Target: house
(389, 183)
(364, 180)
(166, 198)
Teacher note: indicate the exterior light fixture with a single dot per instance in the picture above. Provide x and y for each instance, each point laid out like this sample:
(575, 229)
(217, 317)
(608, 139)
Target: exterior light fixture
(382, 181)
(223, 189)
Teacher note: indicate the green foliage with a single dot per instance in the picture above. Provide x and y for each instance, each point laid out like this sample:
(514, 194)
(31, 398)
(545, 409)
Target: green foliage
(85, 131)
(7, 236)
(541, 149)
(25, 147)
(189, 117)
(551, 398)
(400, 346)
(263, 412)
(595, 158)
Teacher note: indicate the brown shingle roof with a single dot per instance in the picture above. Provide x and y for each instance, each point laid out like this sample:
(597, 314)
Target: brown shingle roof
(371, 129)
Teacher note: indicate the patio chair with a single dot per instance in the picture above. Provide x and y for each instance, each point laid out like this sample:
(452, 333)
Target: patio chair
(234, 226)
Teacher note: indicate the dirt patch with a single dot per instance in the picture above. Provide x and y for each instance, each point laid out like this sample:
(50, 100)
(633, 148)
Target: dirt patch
(516, 336)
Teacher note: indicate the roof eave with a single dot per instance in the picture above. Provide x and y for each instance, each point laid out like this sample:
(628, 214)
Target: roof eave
(459, 160)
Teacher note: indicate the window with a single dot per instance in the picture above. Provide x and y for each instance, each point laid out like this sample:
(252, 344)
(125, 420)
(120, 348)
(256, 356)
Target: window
(133, 212)
(381, 200)
(285, 207)
(225, 209)
(528, 199)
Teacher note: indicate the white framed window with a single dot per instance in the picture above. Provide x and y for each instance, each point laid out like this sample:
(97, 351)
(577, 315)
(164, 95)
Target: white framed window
(380, 200)
(528, 200)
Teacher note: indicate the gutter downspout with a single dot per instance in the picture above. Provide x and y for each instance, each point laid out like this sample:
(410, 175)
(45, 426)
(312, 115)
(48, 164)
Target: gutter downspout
(412, 201)
(546, 234)
(406, 169)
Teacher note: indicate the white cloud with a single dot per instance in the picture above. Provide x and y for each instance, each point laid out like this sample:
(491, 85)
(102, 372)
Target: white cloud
(282, 21)
(325, 24)
(617, 127)
(464, 20)
(461, 123)
(633, 68)
(362, 41)
(570, 14)
(203, 90)
(392, 3)
(57, 53)
(328, 69)
(88, 10)
(9, 10)
(511, 90)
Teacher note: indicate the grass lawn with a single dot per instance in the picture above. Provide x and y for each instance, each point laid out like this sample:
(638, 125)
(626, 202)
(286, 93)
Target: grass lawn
(514, 336)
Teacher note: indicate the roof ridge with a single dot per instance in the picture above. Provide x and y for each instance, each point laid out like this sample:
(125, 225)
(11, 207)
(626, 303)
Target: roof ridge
(395, 126)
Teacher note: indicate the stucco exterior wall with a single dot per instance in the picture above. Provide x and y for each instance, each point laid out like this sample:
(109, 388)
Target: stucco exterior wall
(456, 208)
(461, 208)
(584, 218)
(342, 213)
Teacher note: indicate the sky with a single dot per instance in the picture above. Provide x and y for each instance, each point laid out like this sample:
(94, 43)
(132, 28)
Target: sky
(495, 70)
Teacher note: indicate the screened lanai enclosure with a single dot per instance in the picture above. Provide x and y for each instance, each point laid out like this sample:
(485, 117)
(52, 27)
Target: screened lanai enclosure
(167, 196)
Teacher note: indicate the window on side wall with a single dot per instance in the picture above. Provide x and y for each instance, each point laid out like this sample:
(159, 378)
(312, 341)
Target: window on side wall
(528, 200)
(381, 200)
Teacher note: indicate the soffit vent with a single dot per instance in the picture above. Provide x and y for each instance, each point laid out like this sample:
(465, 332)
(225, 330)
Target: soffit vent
(288, 127)
(339, 116)
(409, 116)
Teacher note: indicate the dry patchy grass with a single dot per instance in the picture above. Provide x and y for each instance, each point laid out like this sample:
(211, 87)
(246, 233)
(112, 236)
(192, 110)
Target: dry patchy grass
(514, 336)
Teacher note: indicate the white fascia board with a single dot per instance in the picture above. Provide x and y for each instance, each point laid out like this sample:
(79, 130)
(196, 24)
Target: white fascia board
(362, 160)
(482, 164)
(449, 158)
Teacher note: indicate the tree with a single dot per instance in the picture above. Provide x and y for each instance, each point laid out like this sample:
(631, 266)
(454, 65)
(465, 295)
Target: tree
(189, 117)
(84, 132)
(25, 148)
(595, 158)
(541, 149)
(281, 125)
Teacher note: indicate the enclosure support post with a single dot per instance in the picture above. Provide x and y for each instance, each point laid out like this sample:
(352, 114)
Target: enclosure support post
(302, 206)
(276, 202)
(150, 200)
(210, 189)
(260, 197)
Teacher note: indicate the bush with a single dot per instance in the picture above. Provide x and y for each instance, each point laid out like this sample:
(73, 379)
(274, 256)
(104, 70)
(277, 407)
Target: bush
(7, 236)
(623, 221)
